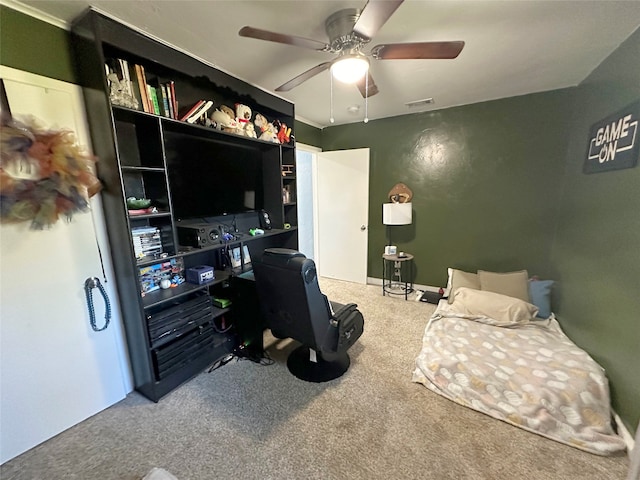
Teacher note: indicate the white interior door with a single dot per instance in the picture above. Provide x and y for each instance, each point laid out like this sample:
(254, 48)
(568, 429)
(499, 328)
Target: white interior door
(55, 370)
(343, 212)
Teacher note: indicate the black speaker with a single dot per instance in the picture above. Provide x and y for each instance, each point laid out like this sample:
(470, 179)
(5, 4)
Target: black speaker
(265, 221)
(200, 235)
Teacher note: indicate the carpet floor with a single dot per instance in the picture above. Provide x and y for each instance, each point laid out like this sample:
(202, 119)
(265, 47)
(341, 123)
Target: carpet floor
(250, 421)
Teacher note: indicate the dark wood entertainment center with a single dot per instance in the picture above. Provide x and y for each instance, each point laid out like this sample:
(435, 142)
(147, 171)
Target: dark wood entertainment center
(175, 333)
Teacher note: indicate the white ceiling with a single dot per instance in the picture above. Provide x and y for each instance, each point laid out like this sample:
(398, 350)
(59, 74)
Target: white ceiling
(512, 47)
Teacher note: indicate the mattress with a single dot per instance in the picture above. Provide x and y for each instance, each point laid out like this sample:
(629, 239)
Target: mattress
(528, 374)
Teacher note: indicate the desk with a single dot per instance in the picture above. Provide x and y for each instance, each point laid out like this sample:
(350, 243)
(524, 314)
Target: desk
(394, 282)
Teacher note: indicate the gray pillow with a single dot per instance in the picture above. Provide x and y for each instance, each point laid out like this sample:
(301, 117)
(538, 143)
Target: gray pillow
(512, 284)
(460, 278)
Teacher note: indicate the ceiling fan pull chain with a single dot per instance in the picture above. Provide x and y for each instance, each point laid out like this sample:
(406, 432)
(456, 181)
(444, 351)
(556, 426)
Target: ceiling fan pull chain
(331, 119)
(366, 98)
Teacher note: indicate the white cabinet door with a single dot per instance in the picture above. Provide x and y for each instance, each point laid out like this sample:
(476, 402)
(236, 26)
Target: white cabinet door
(55, 370)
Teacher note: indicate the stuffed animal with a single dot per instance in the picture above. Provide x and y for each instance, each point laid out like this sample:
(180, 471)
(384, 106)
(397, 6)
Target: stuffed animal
(250, 131)
(267, 131)
(224, 121)
(243, 117)
(261, 122)
(284, 133)
(228, 110)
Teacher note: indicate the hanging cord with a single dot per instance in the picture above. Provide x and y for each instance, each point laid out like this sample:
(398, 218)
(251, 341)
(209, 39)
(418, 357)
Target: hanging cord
(93, 282)
(95, 234)
(89, 285)
(366, 98)
(331, 119)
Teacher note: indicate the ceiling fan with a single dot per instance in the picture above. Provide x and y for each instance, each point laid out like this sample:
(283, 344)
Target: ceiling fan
(349, 30)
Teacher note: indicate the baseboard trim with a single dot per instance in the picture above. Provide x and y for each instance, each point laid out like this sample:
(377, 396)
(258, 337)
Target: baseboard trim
(417, 288)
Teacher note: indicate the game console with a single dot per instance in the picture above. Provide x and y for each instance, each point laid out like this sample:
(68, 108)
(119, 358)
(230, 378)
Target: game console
(200, 274)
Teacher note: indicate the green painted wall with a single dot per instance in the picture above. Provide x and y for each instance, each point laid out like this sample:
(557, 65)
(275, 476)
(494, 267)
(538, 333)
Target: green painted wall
(596, 255)
(35, 46)
(307, 134)
(485, 181)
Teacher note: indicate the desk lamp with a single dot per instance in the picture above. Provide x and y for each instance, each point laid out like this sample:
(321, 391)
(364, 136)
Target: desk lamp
(396, 214)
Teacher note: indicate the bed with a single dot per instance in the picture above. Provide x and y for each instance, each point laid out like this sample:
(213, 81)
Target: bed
(496, 354)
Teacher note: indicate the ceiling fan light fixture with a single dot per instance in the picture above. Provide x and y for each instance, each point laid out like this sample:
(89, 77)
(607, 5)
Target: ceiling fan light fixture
(350, 68)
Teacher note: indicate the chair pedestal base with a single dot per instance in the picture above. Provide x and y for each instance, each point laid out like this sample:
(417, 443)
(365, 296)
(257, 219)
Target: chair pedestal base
(324, 369)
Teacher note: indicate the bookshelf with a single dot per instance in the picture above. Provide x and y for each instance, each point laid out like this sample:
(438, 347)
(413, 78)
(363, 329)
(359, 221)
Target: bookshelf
(150, 107)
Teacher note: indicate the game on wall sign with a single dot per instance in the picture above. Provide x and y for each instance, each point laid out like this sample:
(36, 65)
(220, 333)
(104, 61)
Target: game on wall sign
(614, 142)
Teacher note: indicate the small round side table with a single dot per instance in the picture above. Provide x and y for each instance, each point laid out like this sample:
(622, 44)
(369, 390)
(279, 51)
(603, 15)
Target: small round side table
(394, 280)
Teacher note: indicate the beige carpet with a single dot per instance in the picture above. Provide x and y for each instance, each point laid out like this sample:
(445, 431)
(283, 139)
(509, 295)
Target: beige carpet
(247, 421)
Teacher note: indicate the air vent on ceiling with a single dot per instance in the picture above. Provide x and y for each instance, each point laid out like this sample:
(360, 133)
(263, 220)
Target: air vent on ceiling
(419, 103)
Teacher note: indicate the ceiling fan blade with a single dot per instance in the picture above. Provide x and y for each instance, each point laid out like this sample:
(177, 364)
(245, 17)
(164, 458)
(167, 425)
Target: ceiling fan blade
(374, 15)
(420, 50)
(252, 32)
(362, 86)
(303, 77)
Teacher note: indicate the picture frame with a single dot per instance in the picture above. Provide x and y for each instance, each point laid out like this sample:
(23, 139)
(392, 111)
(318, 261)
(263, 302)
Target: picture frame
(235, 258)
(245, 255)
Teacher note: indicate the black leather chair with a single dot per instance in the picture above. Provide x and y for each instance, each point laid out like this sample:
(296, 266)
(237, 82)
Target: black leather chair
(294, 307)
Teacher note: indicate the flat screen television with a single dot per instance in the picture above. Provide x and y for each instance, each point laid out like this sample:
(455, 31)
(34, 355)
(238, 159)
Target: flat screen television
(209, 179)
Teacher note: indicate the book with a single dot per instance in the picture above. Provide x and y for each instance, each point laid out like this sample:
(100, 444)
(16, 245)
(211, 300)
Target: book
(154, 100)
(200, 112)
(192, 110)
(165, 100)
(142, 87)
(166, 92)
(124, 68)
(172, 88)
(135, 86)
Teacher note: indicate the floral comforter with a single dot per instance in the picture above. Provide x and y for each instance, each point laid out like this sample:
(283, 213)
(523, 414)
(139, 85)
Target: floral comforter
(529, 375)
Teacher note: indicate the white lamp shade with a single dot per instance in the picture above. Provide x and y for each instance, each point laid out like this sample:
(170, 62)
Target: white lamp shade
(396, 213)
(350, 68)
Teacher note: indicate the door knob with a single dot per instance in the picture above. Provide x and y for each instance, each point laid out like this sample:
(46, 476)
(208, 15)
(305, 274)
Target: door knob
(363, 228)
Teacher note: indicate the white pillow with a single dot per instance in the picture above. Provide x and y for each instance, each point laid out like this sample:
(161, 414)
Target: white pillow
(504, 310)
(460, 278)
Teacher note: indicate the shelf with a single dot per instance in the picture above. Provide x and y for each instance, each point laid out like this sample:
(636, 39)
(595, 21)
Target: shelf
(150, 261)
(218, 312)
(200, 131)
(149, 215)
(196, 130)
(243, 239)
(129, 168)
(160, 296)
